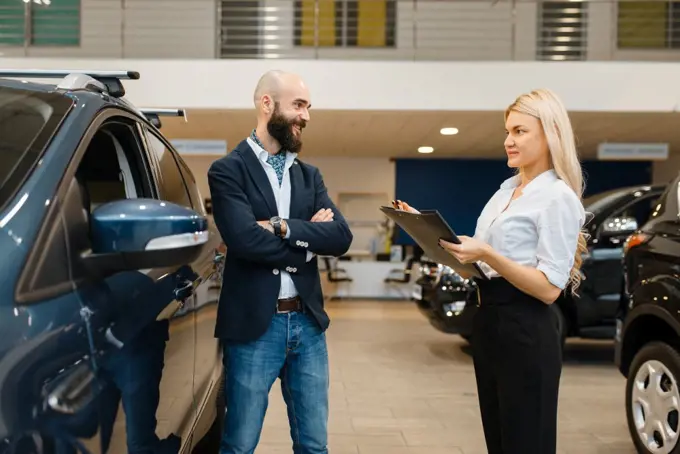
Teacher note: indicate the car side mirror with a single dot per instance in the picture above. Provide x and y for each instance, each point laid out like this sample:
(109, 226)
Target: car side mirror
(618, 226)
(134, 234)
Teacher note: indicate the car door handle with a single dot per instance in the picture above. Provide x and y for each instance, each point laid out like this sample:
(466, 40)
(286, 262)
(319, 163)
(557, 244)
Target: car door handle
(184, 290)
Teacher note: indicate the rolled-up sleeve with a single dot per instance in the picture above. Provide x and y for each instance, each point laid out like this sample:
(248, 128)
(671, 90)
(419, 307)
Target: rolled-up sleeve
(558, 227)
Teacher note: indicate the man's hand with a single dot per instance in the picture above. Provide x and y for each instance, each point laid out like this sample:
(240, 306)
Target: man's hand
(270, 228)
(266, 225)
(323, 215)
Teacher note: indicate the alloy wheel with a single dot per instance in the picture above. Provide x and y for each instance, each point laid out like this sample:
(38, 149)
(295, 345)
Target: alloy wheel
(655, 403)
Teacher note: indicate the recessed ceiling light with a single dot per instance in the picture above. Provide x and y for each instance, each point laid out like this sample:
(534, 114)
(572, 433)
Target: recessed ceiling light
(448, 131)
(425, 149)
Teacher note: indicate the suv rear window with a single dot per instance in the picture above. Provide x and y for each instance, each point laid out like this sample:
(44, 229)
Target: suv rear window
(28, 120)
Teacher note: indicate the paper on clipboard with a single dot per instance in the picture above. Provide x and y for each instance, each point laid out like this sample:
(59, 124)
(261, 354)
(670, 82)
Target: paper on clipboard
(426, 228)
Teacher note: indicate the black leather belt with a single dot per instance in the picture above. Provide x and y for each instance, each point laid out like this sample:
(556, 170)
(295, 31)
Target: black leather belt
(289, 305)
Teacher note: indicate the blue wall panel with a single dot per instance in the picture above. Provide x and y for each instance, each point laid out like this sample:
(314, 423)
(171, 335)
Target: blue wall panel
(459, 188)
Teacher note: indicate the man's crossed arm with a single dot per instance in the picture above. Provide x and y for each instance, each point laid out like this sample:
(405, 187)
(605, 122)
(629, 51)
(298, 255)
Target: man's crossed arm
(323, 215)
(237, 224)
(254, 240)
(327, 233)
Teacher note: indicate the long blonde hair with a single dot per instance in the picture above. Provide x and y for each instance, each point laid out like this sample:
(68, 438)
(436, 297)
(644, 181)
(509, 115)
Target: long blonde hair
(547, 107)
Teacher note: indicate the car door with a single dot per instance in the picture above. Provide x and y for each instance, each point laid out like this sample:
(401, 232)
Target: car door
(206, 283)
(604, 269)
(143, 346)
(209, 369)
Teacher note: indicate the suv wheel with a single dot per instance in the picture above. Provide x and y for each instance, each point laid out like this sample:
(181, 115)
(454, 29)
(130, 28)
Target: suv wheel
(653, 399)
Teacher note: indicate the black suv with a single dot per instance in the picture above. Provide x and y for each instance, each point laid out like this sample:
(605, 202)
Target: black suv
(449, 301)
(648, 337)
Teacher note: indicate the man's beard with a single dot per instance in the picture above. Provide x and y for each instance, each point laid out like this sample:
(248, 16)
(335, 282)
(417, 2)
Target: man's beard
(281, 129)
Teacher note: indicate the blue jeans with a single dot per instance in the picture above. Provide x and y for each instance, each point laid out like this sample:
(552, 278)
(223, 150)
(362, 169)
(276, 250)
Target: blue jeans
(293, 349)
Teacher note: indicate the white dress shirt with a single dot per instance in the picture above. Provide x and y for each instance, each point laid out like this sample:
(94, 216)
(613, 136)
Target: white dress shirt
(539, 229)
(282, 195)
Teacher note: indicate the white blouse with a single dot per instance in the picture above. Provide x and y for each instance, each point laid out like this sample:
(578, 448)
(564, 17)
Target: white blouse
(540, 228)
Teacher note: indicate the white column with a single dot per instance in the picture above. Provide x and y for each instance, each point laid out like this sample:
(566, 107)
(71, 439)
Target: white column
(601, 30)
(526, 24)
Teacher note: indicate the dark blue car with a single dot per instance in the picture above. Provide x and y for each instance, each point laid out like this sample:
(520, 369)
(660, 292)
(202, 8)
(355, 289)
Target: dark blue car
(110, 270)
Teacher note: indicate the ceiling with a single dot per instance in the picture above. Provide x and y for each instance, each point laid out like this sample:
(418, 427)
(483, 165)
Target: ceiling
(398, 134)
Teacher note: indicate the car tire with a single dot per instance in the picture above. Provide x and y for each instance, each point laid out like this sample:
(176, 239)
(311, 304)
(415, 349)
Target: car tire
(664, 358)
(562, 324)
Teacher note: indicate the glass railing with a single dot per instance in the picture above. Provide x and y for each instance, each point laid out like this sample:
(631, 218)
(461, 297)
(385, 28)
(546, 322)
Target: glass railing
(461, 30)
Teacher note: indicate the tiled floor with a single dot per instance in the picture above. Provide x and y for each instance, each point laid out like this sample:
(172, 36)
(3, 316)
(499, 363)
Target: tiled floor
(400, 387)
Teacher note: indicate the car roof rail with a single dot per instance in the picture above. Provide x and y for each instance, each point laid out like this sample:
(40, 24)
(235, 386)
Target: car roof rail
(72, 79)
(153, 115)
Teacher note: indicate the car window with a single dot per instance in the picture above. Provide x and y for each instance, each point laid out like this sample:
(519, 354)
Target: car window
(640, 209)
(171, 185)
(28, 120)
(111, 168)
(192, 187)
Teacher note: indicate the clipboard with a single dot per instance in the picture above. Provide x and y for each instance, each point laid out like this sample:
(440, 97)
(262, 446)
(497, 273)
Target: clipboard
(426, 228)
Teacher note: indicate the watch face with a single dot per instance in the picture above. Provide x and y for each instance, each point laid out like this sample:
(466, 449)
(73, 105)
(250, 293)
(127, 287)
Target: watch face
(275, 219)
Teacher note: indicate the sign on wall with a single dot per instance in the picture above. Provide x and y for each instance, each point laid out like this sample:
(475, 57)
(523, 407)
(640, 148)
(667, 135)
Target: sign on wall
(632, 151)
(200, 146)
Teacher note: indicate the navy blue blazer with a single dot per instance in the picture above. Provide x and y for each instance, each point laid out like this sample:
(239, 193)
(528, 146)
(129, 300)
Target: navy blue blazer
(241, 196)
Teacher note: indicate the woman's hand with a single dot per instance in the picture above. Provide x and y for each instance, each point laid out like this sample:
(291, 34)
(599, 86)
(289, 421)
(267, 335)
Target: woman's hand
(469, 250)
(403, 206)
(526, 278)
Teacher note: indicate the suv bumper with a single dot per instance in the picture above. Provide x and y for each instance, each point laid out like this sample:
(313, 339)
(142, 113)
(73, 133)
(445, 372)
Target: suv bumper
(448, 312)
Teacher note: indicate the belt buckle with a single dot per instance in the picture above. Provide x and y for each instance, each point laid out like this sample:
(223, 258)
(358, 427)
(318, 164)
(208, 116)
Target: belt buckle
(288, 300)
(279, 311)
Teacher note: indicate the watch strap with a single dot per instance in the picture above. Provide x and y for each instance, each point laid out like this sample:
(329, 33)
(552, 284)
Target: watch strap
(276, 223)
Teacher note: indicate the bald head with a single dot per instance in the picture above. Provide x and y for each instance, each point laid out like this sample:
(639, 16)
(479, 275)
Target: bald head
(269, 84)
(276, 84)
(282, 101)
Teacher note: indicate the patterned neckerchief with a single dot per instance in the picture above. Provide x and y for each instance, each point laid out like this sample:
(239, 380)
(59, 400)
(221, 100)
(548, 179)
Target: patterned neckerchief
(277, 161)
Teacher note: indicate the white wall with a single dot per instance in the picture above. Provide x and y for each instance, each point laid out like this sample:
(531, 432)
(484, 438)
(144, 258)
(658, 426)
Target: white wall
(358, 175)
(526, 24)
(382, 85)
(601, 28)
(170, 29)
(138, 29)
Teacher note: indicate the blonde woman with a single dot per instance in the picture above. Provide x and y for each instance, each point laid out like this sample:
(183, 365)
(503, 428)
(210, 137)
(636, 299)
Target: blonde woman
(529, 240)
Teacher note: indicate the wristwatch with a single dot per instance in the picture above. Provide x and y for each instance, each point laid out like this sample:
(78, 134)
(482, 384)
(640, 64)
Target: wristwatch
(276, 223)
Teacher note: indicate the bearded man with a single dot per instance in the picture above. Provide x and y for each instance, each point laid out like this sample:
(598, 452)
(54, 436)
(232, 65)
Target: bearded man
(275, 217)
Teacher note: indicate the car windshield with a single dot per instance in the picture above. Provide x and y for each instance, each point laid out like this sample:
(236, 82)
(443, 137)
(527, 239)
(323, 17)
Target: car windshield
(28, 120)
